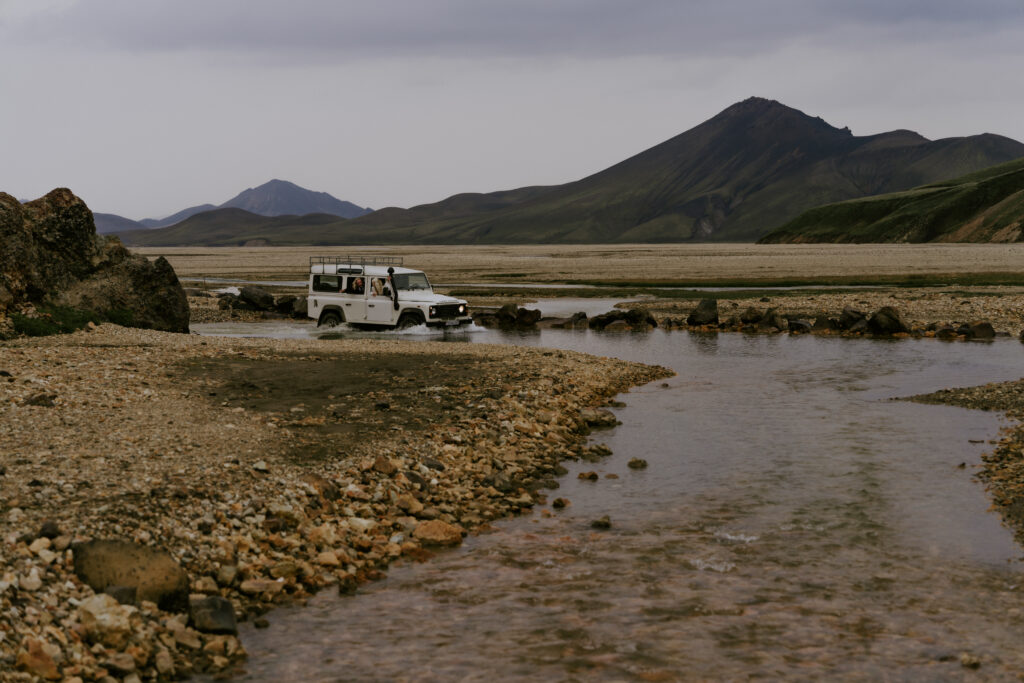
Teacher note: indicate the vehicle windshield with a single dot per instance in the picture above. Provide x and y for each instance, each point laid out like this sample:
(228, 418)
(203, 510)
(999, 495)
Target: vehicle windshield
(411, 281)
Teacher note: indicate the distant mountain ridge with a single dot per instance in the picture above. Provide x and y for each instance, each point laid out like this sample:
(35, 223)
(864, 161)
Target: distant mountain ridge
(753, 167)
(273, 198)
(987, 206)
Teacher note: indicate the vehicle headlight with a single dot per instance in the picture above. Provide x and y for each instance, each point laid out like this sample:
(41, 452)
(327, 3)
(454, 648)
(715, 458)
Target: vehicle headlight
(433, 312)
(462, 309)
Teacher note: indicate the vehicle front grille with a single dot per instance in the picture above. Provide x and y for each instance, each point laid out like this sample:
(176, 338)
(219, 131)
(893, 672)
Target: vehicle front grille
(446, 311)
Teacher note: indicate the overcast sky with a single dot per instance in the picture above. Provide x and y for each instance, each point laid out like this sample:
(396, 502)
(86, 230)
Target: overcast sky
(144, 107)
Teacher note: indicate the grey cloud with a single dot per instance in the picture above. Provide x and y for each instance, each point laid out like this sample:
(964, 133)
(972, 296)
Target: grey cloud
(346, 30)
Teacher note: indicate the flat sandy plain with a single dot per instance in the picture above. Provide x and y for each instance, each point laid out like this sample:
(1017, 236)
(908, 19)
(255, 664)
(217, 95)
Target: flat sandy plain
(659, 262)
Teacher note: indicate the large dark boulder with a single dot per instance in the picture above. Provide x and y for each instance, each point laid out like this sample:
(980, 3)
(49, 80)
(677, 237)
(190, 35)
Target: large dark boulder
(706, 313)
(981, 330)
(751, 316)
(850, 317)
(51, 255)
(887, 321)
(634, 318)
(773, 320)
(155, 574)
(260, 299)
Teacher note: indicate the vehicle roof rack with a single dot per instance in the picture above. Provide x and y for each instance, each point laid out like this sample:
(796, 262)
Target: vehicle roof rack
(360, 260)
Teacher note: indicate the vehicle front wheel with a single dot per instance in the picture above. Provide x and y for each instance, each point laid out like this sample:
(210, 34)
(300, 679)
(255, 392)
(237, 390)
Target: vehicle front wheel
(407, 320)
(329, 319)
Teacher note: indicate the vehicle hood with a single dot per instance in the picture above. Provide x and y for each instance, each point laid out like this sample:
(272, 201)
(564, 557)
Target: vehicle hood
(427, 298)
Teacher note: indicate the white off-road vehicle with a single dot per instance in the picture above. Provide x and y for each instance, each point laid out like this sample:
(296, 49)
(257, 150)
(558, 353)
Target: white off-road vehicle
(377, 292)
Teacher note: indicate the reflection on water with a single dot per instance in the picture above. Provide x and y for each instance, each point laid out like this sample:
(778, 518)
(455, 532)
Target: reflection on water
(793, 523)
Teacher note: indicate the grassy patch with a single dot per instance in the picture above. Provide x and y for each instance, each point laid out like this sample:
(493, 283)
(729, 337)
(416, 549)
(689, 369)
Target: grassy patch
(908, 280)
(62, 320)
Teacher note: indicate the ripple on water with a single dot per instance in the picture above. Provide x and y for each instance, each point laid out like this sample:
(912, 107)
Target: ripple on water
(787, 527)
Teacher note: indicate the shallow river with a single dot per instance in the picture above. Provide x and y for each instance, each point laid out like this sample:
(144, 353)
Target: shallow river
(793, 522)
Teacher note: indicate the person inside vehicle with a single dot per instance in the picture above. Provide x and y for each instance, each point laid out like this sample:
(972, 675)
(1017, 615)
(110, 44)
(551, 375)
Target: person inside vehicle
(377, 285)
(355, 286)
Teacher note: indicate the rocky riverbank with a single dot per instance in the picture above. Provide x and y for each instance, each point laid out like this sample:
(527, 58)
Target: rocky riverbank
(924, 309)
(267, 469)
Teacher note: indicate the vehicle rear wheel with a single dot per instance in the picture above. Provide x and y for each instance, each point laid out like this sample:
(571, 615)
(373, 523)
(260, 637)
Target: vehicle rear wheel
(329, 319)
(407, 320)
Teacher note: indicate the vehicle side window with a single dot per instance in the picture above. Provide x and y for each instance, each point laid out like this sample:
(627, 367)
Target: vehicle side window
(326, 283)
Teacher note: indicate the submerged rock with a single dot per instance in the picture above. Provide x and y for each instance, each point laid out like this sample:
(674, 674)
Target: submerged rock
(706, 313)
(887, 321)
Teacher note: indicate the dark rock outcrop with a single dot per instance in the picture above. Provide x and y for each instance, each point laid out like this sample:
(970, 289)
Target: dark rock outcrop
(981, 330)
(706, 313)
(850, 317)
(887, 321)
(751, 316)
(635, 319)
(772, 320)
(260, 299)
(52, 255)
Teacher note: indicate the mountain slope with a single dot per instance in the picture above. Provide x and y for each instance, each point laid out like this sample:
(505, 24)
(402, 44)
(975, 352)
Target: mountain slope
(236, 227)
(282, 198)
(175, 217)
(987, 206)
(111, 222)
(736, 176)
(755, 166)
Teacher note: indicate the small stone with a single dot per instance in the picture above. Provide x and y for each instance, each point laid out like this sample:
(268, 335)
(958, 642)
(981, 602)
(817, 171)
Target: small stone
(164, 663)
(261, 466)
(205, 584)
(560, 503)
(602, 523)
(106, 621)
(49, 529)
(213, 614)
(41, 543)
(120, 663)
(328, 559)
(41, 399)
(437, 532)
(969, 661)
(588, 476)
(637, 464)
(37, 662)
(266, 587)
(227, 574)
(261, 622)
(31, 582)
(384, 466)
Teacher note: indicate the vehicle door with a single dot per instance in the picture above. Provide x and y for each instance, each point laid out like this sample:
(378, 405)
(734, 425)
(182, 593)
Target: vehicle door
(353, 296)
(379, 308)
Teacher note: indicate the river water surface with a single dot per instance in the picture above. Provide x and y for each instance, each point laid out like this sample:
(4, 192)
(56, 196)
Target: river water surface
(793, 523)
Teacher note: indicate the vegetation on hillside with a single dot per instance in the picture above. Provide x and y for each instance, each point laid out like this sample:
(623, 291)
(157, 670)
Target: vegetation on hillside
(987, 206)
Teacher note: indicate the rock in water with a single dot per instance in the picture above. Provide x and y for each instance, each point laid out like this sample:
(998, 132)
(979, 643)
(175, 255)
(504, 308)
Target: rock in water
(52, 255)
(982, 330)
(258, 298)
(886, 321)
(706, 313)
(849, 317)
(156, 575)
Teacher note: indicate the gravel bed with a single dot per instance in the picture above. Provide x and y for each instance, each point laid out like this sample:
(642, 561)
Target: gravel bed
(267, 483)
